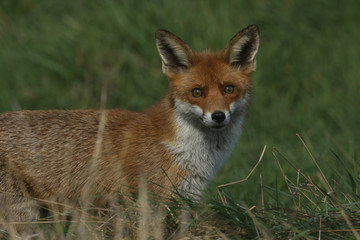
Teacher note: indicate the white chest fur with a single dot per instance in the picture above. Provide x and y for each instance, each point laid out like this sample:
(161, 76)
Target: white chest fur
(202, 151)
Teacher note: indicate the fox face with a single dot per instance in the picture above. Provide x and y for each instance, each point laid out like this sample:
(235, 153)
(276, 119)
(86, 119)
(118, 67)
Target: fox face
(210, 89)
(209, 93)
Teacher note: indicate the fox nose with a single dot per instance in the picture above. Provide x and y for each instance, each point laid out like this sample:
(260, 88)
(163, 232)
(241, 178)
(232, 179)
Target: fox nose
(218, 116)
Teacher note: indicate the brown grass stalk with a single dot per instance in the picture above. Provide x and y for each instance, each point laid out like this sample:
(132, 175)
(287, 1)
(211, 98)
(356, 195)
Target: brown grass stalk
(242, 180)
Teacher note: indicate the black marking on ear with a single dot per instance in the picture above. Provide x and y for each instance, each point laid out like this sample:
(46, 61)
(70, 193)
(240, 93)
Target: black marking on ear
(242, 48)
(174, 52)
(243, 56)
(172, 60)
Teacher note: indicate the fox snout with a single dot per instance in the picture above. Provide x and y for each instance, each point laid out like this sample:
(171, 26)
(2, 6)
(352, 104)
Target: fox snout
(218, 116)
(216, 119)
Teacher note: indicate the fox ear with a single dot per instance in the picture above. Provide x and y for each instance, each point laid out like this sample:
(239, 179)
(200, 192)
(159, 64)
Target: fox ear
(174, 52)
(242, 48)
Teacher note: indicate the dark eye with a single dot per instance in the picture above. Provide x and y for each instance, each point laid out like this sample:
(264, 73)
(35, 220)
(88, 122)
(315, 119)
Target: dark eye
(197, 92)
(229, 89)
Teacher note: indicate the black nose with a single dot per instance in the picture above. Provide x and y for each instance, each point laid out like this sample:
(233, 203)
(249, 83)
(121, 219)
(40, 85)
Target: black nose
(218, 116)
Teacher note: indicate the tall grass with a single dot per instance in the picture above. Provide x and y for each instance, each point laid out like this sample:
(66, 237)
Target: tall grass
(61, 54)
(320, 208)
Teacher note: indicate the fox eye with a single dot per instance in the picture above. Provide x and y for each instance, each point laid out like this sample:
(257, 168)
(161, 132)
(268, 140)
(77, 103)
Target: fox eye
(229, 89)
(197, 92)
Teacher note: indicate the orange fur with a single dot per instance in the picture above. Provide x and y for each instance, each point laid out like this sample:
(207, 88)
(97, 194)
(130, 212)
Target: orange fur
(75, 156)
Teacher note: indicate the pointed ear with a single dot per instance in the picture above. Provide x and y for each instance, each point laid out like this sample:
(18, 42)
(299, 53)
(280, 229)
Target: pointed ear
(175, 53)
(242, 48)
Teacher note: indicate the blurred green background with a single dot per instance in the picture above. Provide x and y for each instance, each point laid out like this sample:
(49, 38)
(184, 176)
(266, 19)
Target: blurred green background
(62, 54)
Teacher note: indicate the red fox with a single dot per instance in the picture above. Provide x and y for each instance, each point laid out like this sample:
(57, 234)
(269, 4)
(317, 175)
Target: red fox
(181, 141)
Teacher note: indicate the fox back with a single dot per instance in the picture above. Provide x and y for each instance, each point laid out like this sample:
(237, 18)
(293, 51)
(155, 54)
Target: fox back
(181, 141)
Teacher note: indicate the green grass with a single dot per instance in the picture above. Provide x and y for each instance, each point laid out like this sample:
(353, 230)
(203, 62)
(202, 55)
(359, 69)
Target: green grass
(61, 54)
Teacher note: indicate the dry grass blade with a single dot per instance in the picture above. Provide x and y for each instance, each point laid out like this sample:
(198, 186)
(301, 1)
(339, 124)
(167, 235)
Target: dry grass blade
(144, 213)
(265, 233)
(319, 229)
(247, 177)
(243, 180)
(262, 192)
(285, 179)
(346, 217)
(314, 160)
(307, 179)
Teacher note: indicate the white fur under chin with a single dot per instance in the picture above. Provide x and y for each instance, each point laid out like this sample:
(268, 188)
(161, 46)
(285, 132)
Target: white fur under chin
(200, 149)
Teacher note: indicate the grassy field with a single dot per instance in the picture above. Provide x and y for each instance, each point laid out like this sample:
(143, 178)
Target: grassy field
(63, 54)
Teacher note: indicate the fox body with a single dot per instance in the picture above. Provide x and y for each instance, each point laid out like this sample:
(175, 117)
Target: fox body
(181, 141)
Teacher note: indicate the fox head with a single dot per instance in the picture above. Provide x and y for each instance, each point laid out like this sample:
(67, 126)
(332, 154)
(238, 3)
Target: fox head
(210, 87)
